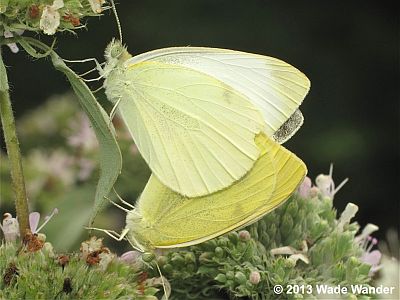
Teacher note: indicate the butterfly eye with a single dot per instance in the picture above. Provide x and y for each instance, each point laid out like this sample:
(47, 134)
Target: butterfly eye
(116, 51)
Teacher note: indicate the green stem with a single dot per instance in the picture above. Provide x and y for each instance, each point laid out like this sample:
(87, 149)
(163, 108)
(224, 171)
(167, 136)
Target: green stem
(14, 154)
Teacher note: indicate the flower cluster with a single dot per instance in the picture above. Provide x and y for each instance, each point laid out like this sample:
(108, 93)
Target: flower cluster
(94, 273)
(47, 16)
(302, 242)
(61, 167)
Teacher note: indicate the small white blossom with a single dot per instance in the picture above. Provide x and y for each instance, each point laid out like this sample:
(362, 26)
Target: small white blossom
(91, 245)
(294, 254)
(105, 259)
(326, 184)
(10, 228)
(367, 231)
(96, 5)
(13, 46)
(50, 19)
(346, 216)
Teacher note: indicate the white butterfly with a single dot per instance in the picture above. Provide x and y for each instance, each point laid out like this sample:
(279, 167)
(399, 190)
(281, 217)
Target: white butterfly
(194, 112)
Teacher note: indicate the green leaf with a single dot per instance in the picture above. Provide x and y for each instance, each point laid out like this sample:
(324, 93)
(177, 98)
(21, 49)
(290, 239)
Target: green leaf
(110, 154)
(67, 227)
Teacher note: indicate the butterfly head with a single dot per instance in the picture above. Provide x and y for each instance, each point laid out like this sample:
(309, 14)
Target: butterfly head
(115, 54)
(115, 50)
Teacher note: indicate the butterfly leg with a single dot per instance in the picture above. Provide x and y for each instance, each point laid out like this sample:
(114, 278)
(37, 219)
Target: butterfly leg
(117, 205)
(91, 70)
(83, 61)
(135, 245)
(97, 90)
(113, 110)
(113, 234)
(123, 201)
(121, 207)
(98, 65)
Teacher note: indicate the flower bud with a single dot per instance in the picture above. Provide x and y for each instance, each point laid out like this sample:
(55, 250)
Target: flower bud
(177, 260)
(254, 277)
(305, 187)
(205, 257)
(219, 252)
(148, 257)
(130, 257)
(168, 268)
(190, 258)
(230, 275)
(314, 191)
(220, 278)
(287, 225)
(233, 237)
(292, 208)
(240, 278)
(244, 235)
(223, 241)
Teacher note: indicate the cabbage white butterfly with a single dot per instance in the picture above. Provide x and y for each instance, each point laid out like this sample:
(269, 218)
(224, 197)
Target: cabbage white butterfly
(163, 218)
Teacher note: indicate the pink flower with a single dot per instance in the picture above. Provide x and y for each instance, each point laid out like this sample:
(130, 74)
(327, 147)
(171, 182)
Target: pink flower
(34, 218)
(372, 258)
(305, 187)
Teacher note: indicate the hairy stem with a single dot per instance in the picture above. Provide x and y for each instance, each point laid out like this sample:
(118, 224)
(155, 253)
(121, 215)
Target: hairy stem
(14, 154)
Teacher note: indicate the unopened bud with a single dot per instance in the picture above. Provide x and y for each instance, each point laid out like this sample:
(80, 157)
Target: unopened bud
(254, 277)
(244, 235)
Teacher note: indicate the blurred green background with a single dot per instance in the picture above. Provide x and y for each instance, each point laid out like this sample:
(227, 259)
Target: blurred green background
(348, 49)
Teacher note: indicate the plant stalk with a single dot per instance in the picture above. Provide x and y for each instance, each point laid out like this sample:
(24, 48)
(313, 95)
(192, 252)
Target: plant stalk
(13, 152)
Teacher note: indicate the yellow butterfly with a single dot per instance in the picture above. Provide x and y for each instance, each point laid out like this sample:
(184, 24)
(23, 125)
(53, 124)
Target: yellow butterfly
(163, 218)
(194, 112)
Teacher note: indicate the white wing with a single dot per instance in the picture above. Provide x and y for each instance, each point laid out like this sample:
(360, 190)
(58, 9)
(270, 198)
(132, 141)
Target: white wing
(272, 85)
(195, 132)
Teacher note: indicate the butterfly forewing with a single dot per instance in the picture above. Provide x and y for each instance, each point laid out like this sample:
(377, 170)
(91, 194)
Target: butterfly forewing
(195, 132)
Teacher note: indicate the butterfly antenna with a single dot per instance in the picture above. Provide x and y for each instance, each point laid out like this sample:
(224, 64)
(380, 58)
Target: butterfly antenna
(117, 19)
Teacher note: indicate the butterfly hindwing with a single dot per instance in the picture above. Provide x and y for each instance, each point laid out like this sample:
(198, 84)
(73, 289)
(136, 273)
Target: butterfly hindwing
(272, 85)
(171, 220)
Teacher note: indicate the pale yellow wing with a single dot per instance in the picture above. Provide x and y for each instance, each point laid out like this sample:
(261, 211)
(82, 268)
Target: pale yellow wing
(195, 132)
(169, 220)
(272, 85)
